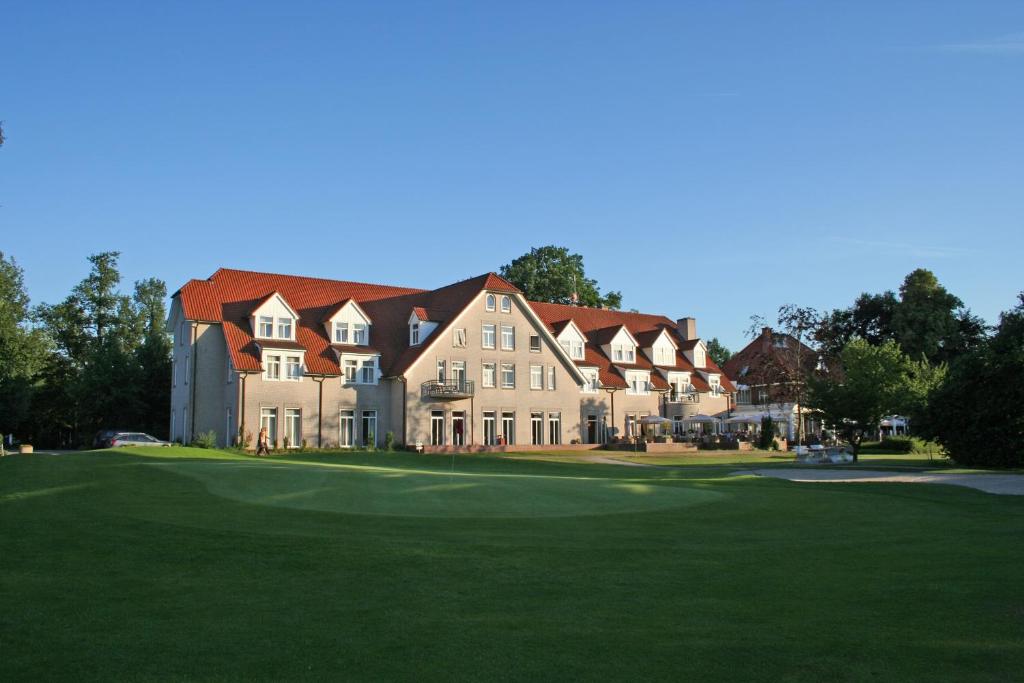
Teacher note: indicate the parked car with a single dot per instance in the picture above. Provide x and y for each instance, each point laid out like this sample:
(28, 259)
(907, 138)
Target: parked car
(136, 439)
(105, 436)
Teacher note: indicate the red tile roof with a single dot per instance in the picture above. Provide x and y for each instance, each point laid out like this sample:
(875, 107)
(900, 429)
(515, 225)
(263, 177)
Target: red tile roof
(229, 296)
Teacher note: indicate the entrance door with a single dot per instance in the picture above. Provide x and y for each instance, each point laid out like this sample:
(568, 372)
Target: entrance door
(459, 429)
(347, 432)
(592, 429)
(459, 374)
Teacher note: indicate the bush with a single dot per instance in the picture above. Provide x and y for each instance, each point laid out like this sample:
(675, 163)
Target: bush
(205, 440)
(767, 436)
(899, 444)
(389, 441)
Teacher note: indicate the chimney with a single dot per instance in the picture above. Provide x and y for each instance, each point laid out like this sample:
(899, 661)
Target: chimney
(687, 328)
(766, 339)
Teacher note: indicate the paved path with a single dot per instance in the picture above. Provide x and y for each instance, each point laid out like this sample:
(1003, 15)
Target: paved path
(604, 460)
(1002, 484)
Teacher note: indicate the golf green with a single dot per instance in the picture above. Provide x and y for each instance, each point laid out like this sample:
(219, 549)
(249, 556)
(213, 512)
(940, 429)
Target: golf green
(181, 564)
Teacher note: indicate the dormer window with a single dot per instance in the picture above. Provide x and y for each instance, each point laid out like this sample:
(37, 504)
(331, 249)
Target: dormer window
(639, 383)
(623, 353)
(284, 328)
(414, 334)
(574, 348)
(266, 326)
(489, 302)
(359, 334)
(341, 333)
(506, 304)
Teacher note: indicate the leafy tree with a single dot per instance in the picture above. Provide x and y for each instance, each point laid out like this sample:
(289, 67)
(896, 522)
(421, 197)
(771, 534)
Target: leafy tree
(718, 351)
(21, 349)
(153, 356)
(930, 321)
(872, 382)
(554, 275)
(977, 412)
(870, 319)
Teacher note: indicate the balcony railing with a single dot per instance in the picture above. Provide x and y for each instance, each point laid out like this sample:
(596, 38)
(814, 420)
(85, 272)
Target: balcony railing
(683, 397)
(448, 390)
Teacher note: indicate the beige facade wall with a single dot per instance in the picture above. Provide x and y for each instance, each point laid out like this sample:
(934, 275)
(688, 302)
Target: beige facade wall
(564, 399)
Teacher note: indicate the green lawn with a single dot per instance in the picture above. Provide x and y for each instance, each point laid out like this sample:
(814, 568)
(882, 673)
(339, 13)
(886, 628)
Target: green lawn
(178, 564)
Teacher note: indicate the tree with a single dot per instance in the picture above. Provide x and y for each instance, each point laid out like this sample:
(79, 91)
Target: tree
(22, 350)
(554, 275)
(872, 382)
(153, 357)
(718, 351)
(977, 411)
(870, 319)
(931, 322)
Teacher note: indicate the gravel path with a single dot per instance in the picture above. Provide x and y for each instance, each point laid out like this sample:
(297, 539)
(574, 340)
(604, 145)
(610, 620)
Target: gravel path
(1001, 484)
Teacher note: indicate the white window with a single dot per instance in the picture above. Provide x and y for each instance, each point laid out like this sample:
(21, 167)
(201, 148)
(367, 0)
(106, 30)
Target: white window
(268, 421)
(186, 366)
(490, 428)
(359, 334)
(441, 371)
(369, 427)
(554, 428)
(293, 368)
(573, 348)
(459, 338)
(487, 336)
(508, 427)
(369, 371)
(489, 302)
(350, 371)
(266, 326)
(536, 376)
(623, 353)
(341, 333)
(593, 383)
(293, 427)
(436, 427)
(174, 373)
(231, 371)
(414, 334)
(284, 328)
(459, 372)
(508, 338)
(537, 428)
(664, 355)
(347, 429)
(508, 376)
(551, 378)
(639, 383)
(716, 386)
(488, 377)
(506, 304)
(273, 367)
(535, 343)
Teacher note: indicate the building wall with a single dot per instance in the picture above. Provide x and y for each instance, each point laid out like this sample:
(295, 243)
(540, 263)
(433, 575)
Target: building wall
(564, 399)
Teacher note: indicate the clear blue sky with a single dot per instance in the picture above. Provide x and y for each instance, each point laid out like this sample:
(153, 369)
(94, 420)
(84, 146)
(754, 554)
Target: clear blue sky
(713, 159)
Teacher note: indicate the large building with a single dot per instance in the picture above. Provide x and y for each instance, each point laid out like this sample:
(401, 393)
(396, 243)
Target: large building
(472, 365)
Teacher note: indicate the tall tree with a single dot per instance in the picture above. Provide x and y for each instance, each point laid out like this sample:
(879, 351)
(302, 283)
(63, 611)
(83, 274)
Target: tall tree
(554, 275)
(871, 382)
(718, 351)
(22, 350)
(153, 357)
(977, 412)
(931, 322)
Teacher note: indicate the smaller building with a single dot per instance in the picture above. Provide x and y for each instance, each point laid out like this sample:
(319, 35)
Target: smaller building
(768, 374)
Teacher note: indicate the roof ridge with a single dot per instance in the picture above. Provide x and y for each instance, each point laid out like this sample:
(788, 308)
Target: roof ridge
(408, 290)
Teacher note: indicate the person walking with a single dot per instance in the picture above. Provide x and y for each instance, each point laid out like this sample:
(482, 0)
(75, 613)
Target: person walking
(263, 443)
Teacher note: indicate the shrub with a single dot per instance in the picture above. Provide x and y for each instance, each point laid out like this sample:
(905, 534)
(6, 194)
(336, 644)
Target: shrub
(767, 436)
(389, 441)
(205, 440)
(899, 444)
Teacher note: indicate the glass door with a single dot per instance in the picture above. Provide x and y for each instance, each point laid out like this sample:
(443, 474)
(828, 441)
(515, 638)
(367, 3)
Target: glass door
(459, 429)
(347, 433)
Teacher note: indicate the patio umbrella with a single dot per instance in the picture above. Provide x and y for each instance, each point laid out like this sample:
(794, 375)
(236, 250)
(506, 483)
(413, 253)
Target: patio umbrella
(654, 420)
(700, 418)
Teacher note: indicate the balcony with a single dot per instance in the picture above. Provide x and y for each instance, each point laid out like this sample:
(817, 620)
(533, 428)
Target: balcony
(683, 397)
(449, 390)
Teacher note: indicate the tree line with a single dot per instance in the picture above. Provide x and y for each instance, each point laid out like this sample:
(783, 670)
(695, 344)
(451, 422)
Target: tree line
(919, 352)
(100, 358)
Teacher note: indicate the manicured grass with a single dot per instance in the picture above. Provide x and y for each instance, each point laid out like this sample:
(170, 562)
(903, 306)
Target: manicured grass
(178, 564)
